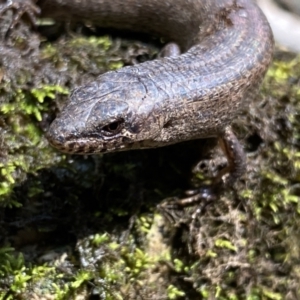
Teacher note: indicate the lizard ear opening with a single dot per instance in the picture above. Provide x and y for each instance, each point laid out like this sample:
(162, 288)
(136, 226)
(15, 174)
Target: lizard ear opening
(113, 127)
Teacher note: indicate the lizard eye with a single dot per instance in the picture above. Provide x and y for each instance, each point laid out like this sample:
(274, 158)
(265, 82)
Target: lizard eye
(113, 127)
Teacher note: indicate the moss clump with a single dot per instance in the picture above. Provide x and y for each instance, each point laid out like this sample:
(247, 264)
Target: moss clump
(88, 226)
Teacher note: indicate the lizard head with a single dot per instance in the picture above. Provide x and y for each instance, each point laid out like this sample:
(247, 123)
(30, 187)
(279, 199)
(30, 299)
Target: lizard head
(110, 114)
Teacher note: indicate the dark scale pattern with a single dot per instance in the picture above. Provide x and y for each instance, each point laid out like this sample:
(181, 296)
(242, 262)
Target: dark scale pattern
(228, 47)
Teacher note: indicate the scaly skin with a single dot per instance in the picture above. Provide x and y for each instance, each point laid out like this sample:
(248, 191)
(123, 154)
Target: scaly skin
(195, 95)
(227, 47)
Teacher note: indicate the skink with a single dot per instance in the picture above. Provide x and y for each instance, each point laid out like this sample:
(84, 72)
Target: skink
(227, 46)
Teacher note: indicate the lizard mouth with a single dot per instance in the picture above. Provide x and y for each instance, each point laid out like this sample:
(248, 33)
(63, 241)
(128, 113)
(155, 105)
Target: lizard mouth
(70, 141)
(83, 146)
(61, 138)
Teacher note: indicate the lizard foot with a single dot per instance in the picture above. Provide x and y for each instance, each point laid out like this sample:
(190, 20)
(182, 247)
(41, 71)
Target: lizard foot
(172, 208)
(206, 193)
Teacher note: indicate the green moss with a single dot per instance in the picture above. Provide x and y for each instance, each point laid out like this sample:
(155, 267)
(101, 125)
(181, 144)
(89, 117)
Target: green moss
(174, 293)
(225, 244)
(244, 245)
(48, 91)
(26, 152)
(31, 103)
